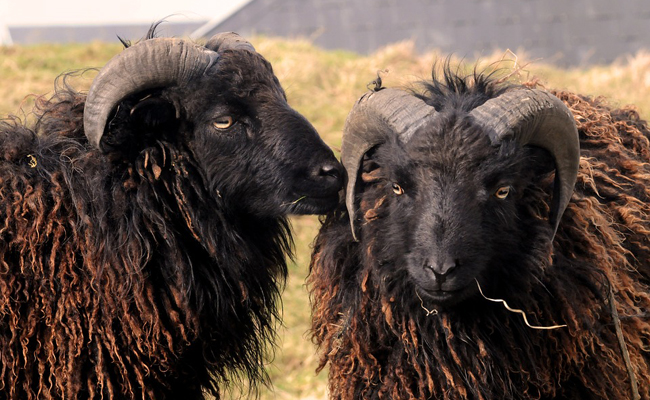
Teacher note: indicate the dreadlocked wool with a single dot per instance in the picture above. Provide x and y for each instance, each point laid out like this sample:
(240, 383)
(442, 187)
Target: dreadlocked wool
(78, 303)
(145, 260)
(384, 339)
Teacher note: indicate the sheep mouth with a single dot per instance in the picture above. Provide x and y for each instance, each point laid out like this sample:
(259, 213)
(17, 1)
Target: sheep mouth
(309, 204)
(442, 295)
(446, 297)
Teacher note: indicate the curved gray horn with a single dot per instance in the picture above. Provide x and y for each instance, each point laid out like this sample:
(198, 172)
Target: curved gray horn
(537, 118)
(375, 117)
(153, 63)
(228, 40)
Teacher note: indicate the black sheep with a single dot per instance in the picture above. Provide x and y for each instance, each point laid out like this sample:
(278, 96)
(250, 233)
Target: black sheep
(462, 194)
(144, 231)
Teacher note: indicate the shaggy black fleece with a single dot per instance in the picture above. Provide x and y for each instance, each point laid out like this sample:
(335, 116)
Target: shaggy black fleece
(151, 268)
(382, 338)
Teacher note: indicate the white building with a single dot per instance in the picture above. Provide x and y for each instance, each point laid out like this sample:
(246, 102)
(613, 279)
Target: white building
(5, 36)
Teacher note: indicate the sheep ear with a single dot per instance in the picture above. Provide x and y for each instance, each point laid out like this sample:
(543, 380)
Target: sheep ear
(154, 63)
(541, 161)
(537, 118)
(370, 168)
(153, 114)
(148, 120)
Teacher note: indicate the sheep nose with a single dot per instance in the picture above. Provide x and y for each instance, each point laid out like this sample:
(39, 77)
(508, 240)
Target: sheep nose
(331, 171)
(442, 268)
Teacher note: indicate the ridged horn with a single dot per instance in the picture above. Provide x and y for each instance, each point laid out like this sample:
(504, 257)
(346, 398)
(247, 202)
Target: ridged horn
(373, 119)
(149, 64)
(537, 118)
(228, 41)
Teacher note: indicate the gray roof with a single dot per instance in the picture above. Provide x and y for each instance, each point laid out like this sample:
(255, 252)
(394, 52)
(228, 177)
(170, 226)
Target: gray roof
(574, 32)
(106, 33)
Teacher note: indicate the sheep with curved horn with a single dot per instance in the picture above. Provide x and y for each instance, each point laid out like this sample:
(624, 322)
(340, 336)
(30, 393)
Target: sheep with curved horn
(491, 245)
(144, 227)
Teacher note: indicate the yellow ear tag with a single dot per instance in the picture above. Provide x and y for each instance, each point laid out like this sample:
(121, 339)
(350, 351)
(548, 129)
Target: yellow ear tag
(32, 161)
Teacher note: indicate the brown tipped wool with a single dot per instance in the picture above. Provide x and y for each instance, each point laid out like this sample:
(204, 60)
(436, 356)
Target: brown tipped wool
(64, 297)
(380, 347)
(99, 296)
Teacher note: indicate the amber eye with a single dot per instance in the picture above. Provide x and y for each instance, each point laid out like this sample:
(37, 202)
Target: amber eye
(502, 192)
(224, 122)
(397, 189)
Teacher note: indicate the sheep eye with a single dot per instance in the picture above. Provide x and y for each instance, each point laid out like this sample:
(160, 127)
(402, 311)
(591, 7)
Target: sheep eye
(502, 192)
(224, 122)
(397, 189)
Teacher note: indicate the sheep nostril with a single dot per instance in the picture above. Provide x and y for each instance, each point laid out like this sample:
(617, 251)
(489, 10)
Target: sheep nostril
(331, 170)
(442, 269)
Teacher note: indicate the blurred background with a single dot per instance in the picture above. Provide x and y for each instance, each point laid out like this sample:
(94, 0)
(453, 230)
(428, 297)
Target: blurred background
(567, 33)
(325, 52)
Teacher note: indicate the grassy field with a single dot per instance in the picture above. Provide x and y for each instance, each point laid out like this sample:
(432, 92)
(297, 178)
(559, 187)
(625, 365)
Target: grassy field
(323, 86)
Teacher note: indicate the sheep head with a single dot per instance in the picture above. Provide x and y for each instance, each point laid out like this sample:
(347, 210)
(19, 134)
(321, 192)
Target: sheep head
(222, 103)
(440, 193)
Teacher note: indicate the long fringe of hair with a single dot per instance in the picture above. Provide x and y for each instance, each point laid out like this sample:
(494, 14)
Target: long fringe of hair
(123, 280)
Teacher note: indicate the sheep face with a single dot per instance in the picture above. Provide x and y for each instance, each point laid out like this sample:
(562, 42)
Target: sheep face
(436, 187)
(229, 111)
(444, 206)
(252, 130)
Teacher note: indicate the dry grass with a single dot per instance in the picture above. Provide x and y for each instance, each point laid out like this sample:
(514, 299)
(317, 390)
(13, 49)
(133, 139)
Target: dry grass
(517, 311)
(26, 71)
(323, 85)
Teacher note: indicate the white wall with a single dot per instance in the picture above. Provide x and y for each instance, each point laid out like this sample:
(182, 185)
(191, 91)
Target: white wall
(5, 37)
(93, 12)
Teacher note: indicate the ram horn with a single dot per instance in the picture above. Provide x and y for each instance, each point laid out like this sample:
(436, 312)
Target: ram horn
(537, 118)
(149, 64)
(373, 119)
(228, 41)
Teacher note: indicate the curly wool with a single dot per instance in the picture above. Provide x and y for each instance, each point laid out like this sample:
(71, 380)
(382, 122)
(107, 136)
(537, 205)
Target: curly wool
(125, 280)
(382, 341)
